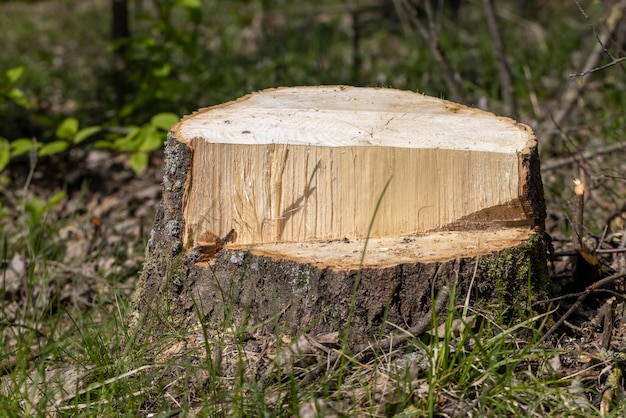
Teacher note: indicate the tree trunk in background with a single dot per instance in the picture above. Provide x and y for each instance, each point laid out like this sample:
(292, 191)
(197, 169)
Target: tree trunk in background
(315, 209)
(120, 37)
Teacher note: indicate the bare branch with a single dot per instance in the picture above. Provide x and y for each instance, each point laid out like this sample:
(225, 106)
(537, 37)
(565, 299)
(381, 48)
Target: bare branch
(508, 91)
(431, 37)
(599, 284)
(578, 208)
(572, 91)
(554, 164)
(593, 28)
(602, 67)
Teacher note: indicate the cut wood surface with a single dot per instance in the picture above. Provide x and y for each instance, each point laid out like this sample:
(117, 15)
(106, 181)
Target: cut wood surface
(309, 204)
(310, 164)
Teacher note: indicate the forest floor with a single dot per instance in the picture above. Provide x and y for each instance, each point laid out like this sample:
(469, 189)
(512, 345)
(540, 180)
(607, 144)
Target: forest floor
(100, 228)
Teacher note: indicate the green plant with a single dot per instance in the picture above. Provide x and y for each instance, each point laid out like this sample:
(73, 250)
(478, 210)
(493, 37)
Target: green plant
(139, 141)
(10, 92)
(9, 89)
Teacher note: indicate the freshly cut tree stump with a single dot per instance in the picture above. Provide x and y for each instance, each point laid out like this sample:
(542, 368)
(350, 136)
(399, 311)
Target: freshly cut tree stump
(315, 209)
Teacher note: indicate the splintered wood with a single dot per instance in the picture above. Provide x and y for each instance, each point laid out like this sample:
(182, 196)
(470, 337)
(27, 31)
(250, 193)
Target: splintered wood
(312, 164)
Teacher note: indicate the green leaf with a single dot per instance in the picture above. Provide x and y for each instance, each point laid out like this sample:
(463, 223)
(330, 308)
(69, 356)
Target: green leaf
(19, 98)
(102, 144)
(67, 129)
(14, 74)
(55, 199)
(21, 146)
(85, 133)
(138, 162)
(53, 147)
(164, 121)
(131, 142)
(153, 140)
(5, 153)
(189, 4)
(162, 71)
(35, 209)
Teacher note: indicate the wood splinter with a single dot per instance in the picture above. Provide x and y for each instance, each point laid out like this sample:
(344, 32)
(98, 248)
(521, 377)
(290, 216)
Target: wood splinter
(209, 244)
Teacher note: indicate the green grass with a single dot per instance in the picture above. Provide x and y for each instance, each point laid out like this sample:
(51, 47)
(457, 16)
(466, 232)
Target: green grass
(64, 362)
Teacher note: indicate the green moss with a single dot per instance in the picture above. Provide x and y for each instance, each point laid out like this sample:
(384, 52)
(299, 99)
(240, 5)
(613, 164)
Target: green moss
(512, 280)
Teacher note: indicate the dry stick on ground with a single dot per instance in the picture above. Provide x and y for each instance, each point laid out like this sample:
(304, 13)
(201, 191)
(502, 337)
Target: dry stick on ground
(600, 283)
(575, 295)
(508, 91)
(572, 91)
(605, 316)
(431, 38)
(598, 251)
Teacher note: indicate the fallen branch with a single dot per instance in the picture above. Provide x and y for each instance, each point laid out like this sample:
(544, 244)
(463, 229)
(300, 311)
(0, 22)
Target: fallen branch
(599, 284)
(577, 294)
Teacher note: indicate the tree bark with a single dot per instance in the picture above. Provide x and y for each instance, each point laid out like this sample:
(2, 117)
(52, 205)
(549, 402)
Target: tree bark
(315, 209)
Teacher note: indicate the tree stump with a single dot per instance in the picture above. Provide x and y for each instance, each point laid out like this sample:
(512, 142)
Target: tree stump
(319, 209)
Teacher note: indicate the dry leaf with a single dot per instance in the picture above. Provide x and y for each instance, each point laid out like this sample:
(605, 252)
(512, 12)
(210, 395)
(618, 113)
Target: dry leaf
(15, 274)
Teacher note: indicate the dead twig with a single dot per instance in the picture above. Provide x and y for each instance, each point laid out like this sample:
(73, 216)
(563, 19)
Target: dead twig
(605, 315)
(600, 283)
(554, 164)
(430, 36)
(599, 251)
(593, 28)
(575, 295)
(600, 68)
(508, 91)
(573, 89)
(578, 208)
